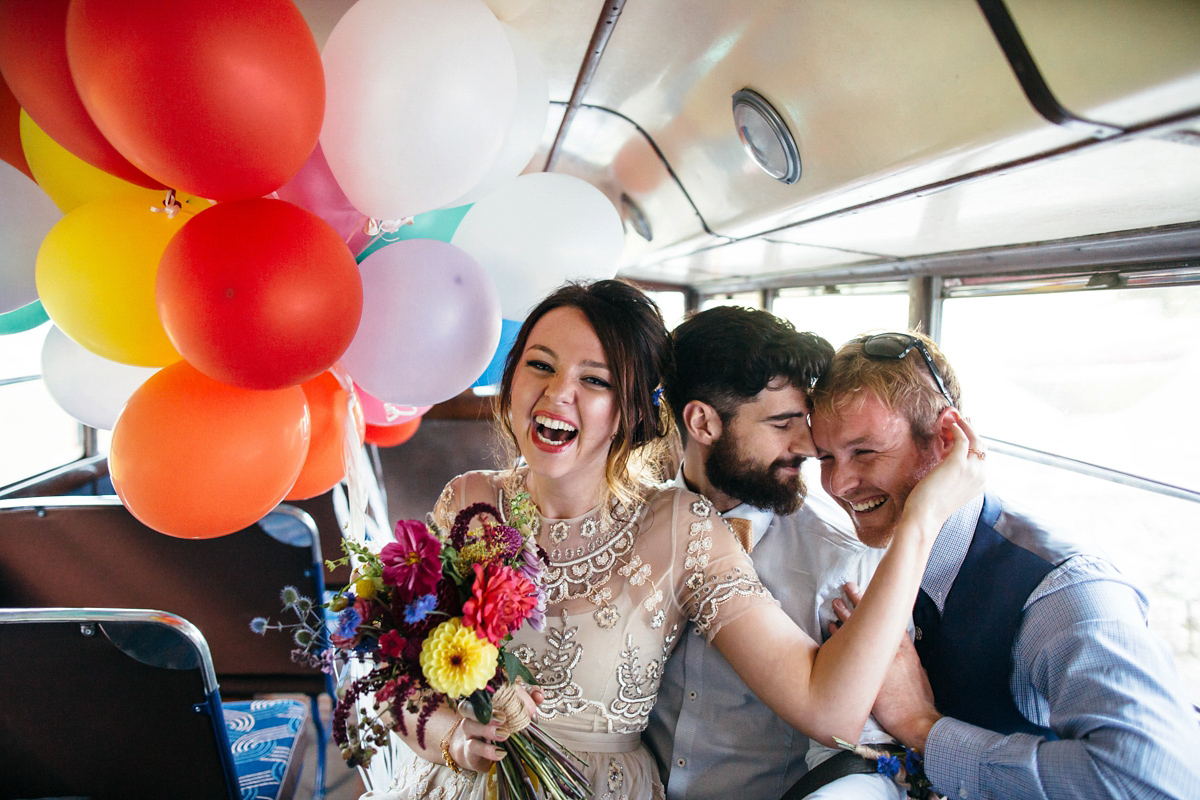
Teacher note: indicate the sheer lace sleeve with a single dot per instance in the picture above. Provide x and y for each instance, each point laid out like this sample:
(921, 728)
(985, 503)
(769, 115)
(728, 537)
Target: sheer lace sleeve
(715, 581)
(470, 487)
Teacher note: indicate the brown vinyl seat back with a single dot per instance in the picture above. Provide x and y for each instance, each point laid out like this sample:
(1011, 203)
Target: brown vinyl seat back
(75, 551)
(109, 703)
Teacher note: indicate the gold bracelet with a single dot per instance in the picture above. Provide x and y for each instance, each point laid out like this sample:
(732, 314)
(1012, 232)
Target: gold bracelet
(450, 762)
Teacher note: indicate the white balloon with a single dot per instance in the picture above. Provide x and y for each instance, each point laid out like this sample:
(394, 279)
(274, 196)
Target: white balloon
(91, 389)
(26, 216)
(528, 125)
(419, 96)
(538, 231)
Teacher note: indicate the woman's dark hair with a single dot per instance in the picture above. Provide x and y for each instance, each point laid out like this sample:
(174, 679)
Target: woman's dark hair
(726, 355)
(631, 332)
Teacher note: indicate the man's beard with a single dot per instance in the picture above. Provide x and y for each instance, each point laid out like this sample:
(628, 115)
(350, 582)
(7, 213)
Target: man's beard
(750, 482)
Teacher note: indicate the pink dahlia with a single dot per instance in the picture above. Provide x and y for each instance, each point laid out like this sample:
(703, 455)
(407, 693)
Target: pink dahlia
(500, 601)
(411, 564)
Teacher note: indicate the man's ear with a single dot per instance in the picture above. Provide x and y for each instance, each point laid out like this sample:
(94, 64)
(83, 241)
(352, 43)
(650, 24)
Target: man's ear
(946, 423)
(702, 422)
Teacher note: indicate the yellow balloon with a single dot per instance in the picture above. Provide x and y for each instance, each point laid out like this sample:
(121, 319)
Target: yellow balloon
(69, 180)
(95, 276)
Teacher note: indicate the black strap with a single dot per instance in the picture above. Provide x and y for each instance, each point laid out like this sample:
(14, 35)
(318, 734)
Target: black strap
(843, 764)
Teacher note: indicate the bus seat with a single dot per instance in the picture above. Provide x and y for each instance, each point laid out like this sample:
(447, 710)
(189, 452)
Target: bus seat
(70, 551)
(124, 703)
(91, 552)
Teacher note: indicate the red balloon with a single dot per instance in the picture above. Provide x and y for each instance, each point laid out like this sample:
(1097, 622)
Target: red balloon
(10, 131)
(259, 294)
(222, 99)
(33, 58)
(194, 458)
(328, 402)
(391, 435)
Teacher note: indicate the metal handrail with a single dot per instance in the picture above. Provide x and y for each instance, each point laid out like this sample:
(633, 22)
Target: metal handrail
(1091, 470)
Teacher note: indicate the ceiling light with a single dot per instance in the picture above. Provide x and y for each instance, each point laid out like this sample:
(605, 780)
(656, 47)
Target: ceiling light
(636, 218)
(766, 136)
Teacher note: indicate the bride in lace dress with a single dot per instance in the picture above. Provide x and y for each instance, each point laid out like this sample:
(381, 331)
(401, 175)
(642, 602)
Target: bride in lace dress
(630, 562)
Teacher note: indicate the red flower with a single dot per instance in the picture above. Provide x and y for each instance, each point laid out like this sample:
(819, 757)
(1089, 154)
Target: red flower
(500, 601)
(391, 644)
(411, 564)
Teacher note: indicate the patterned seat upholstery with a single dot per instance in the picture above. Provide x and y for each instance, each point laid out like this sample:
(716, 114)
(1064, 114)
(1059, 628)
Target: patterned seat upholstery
(267, 739)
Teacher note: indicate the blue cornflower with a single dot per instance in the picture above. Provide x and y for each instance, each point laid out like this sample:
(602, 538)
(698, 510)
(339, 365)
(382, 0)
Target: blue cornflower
(888, 765)
(348, 622)
(913, 762)
(419, 608)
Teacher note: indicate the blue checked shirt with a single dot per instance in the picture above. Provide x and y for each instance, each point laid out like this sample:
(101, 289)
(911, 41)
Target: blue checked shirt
(1086, 666)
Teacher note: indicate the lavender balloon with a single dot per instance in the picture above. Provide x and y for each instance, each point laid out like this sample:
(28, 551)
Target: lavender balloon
(430, 323)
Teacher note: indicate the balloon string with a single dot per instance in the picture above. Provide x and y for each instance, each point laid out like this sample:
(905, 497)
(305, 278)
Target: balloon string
(380, 228)
(171, 206)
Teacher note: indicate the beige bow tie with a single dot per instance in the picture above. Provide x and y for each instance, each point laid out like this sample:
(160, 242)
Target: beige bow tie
(743, 531)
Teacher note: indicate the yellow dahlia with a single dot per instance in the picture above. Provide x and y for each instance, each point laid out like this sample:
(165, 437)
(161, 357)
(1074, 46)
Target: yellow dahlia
(455, 661)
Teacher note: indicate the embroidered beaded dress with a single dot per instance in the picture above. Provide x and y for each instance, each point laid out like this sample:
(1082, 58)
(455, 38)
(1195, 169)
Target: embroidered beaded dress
(620, 588)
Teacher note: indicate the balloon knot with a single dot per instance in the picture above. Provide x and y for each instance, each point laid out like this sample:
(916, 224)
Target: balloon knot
(170, 205)
(375, 227)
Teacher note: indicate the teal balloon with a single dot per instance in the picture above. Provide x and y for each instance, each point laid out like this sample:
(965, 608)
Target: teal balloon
(495, 368)
(23, 319)
(440, 225)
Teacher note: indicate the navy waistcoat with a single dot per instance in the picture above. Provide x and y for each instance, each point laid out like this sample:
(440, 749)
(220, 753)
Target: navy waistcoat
(967, 652)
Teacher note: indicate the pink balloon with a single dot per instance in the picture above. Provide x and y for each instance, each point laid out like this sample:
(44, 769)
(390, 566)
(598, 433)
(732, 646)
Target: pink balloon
(430, 323)
(378, 412)
(315, 189)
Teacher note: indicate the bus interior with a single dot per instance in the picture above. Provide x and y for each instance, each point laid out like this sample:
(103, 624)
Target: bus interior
(1020, 179)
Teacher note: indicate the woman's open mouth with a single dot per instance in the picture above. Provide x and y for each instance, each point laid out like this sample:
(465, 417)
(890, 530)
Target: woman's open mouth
(551, 432)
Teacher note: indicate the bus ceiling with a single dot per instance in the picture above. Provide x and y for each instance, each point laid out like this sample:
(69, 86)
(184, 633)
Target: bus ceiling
(934, 137)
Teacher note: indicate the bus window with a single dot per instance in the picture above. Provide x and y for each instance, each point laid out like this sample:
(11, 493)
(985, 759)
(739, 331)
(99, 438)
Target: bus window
(846, 311)
(37, 435)
(1150, 537)
(747, 299)
(673, 306)
(1108, 377)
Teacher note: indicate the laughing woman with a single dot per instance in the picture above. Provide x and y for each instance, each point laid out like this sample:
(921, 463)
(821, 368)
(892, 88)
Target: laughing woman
(630, 563)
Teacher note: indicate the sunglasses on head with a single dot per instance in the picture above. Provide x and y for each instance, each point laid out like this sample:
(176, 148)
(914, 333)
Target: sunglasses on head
(897, 346)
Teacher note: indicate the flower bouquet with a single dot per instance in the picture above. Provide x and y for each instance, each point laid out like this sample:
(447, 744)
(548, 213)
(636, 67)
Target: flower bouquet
(903, 765)
(429, 616)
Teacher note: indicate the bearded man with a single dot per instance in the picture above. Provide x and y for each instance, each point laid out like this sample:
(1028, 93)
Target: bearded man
(739, 392)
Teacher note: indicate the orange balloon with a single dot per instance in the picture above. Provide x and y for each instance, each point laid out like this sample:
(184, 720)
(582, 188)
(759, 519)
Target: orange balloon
(328, 402)
(197, 459)
(392, 435)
